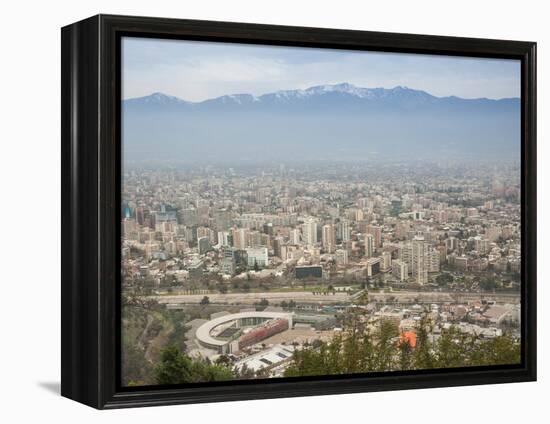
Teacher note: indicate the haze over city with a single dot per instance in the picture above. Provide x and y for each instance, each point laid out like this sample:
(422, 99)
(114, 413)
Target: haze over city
(283, 215)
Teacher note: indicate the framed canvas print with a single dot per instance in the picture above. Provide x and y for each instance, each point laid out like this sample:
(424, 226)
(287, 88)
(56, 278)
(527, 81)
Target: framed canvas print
(255, 211)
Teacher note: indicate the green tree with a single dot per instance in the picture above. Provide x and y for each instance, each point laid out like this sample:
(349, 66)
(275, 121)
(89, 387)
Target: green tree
(405, 355)
(359, 350)
(385, 347)
(244, 373)
(136, 369)
(452, 349)
(363, 298)
(500, 350)
(423, 354)
(223, 360)
(177, 335)
(444, 279)
(176, 367)
(488, 283)
(262, 304)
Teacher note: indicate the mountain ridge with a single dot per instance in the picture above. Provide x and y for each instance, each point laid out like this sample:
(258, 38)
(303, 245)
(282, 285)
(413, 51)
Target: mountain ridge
(338, 121)
(343, 88)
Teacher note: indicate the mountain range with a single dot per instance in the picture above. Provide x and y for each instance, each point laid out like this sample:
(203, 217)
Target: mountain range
(325, 122)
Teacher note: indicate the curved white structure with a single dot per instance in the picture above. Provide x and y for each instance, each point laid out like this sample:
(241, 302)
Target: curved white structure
(203, 333)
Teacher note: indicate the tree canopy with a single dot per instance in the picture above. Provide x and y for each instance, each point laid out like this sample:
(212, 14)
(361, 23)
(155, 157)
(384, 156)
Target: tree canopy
(176, 367)
(382, 350)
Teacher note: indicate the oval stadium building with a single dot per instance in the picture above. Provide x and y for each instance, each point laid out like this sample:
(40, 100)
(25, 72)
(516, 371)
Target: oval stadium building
(223, 333)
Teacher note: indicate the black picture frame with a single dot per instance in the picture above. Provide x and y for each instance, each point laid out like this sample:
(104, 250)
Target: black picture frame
(91, 171)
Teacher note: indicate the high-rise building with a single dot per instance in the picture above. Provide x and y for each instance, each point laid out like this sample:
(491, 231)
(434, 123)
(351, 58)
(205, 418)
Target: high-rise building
(452, 244)
(128, 227)
(204, 245)
(223, 238)
(376, 231)
(400, 270)
(442, 249)
(343, 230)
(355, 214)
(291, 251)
(255, 239)
(461, 262)
(277, 245)
(481, 245)
(190, 234)
(295, 236)
(257, 256)
(434, 260)
(140, 215)
(228, 264)
(373, 267)
(329, 238)
(369, 245)
(268, 228)
(240, 238)
(165, 215)
(386, 261)
(262, 195)
(206, 232)
(341, 257)
(309, 232)
(420, 260)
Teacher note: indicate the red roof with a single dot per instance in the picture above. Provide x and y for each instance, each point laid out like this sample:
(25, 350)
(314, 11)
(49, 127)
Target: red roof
(408, 337)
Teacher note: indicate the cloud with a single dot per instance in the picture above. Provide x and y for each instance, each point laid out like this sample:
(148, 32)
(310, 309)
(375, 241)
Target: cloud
(199, 70)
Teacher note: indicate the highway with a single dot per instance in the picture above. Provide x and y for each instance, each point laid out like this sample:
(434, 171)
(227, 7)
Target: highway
(337, 298)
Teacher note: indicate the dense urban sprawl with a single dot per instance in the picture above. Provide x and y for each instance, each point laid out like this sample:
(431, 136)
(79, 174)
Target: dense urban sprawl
(258, 270)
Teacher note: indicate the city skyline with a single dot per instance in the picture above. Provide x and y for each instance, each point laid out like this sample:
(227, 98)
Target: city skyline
(242, 269)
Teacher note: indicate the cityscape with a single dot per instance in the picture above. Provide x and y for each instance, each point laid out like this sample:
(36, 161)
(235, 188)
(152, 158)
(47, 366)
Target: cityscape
(242, 266)
(281, 219)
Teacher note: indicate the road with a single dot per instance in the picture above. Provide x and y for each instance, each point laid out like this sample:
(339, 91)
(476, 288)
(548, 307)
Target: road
(337, 298)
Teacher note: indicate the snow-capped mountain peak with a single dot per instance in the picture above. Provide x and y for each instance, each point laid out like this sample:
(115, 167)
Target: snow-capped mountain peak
(343, 118)
(399, 96)
(349, 89)
(237, 98)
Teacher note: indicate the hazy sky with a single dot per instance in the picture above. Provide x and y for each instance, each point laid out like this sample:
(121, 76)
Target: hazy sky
(197, 70)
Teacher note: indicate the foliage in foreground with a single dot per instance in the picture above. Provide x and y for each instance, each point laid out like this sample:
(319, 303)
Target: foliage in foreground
(147, 328)
(362, 352)
(176, 367)
(382, 350)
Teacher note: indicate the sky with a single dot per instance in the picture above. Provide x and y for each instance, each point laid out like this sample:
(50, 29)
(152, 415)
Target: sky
(199, 70)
